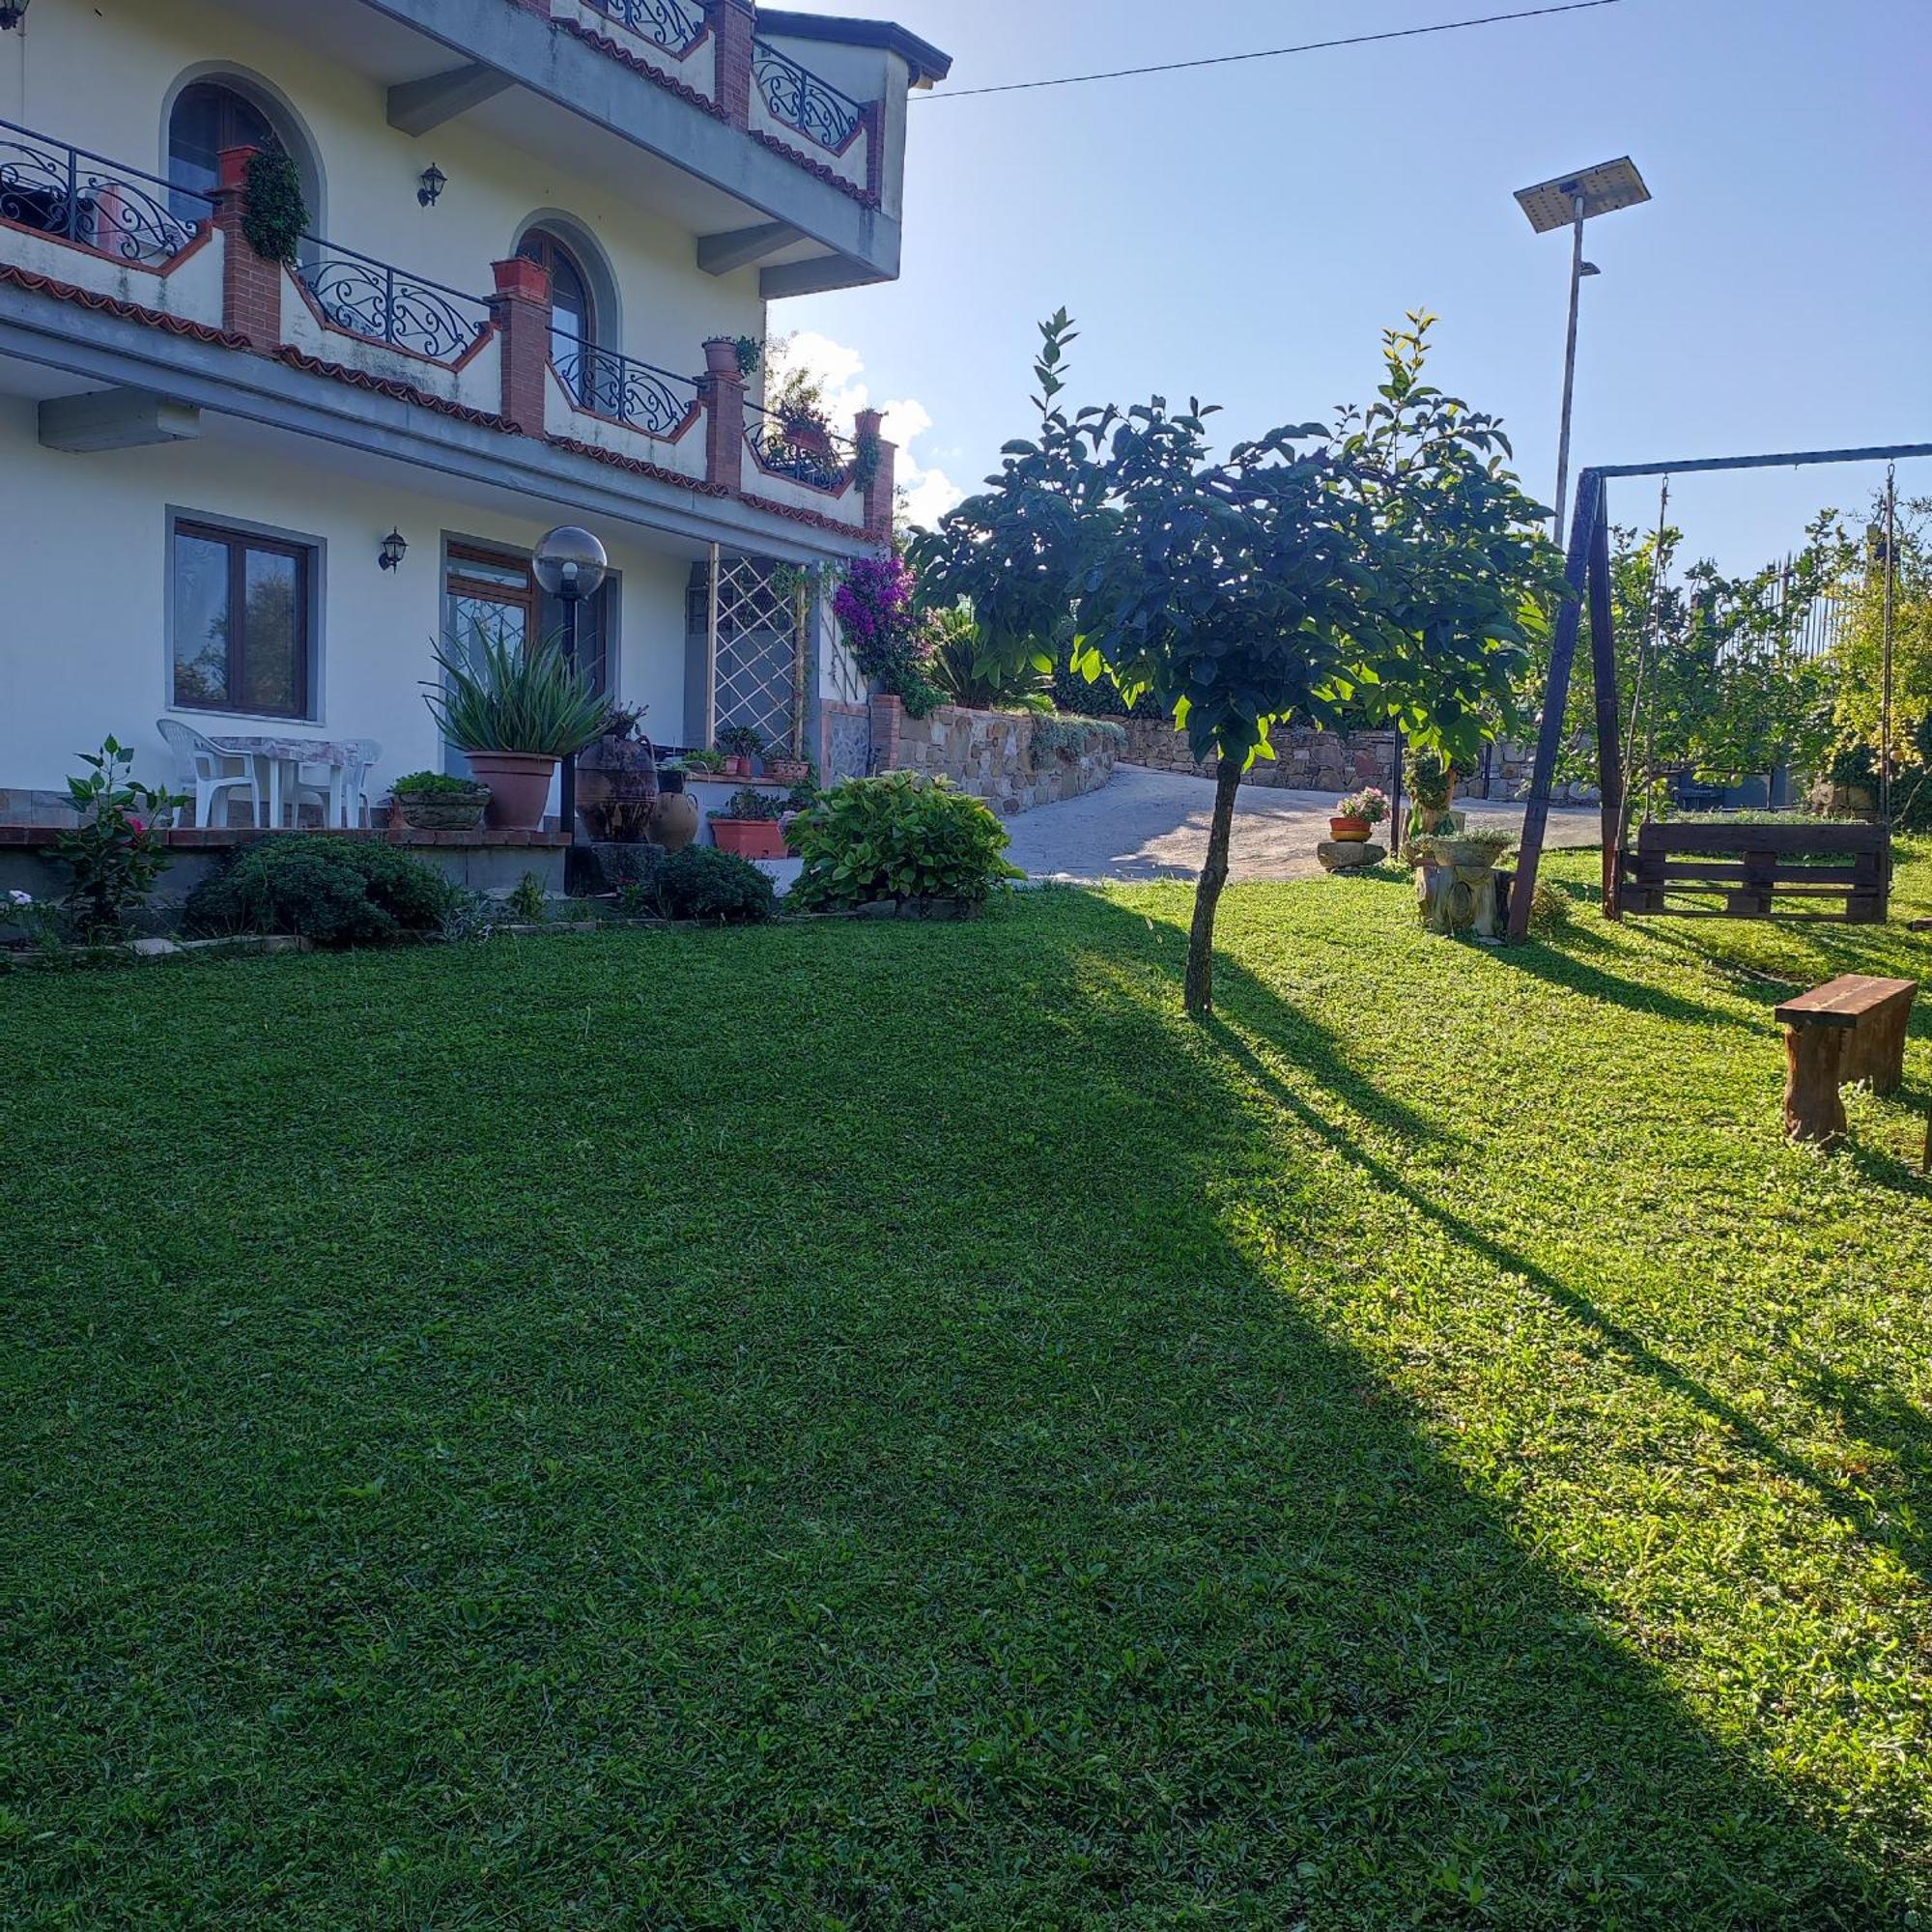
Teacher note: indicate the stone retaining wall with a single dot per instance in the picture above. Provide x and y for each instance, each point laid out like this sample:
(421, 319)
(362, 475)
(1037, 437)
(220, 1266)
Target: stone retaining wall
(988, 753)
(1304, 760)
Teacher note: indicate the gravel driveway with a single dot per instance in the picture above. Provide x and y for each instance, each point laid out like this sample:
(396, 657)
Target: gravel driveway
(1153, 825)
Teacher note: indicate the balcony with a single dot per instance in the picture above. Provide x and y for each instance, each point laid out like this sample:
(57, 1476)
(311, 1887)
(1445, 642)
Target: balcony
(776, 139)
(78, 229)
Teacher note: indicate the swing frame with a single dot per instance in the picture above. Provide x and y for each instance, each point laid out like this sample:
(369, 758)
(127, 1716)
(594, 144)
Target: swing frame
(1587, 570)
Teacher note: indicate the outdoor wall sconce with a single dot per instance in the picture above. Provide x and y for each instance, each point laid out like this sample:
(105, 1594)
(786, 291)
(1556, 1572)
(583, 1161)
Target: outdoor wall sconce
(11, 14)
(394, 550)
(433, 182)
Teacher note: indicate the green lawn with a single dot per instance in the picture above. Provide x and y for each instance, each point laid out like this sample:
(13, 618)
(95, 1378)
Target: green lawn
(865, 1425)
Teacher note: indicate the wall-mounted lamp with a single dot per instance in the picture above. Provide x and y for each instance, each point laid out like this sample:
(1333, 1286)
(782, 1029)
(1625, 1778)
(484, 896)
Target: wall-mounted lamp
(11, 14)
(433, 182)
(394, 550)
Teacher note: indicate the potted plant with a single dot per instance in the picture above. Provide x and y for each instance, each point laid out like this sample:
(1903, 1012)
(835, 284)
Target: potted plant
(440, 802)
(782, 768)
(515, 712)
(740, 744)
(748, 825)
(702, 764)
(1358, 814)
(1432, 783)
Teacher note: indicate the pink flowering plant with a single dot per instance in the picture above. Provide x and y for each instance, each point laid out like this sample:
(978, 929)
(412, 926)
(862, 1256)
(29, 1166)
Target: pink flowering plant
(116, 852)
(1370, 804)
(875, 607)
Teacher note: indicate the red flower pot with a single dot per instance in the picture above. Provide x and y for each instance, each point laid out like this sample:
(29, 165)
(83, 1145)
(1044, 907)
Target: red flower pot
(1349, 830)
(750, 837)
(736, 767)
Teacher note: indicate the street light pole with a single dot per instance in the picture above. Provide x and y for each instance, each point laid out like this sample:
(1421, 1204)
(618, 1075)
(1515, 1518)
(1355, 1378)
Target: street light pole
(570, 565)
(1570, 365)
(1567, 201)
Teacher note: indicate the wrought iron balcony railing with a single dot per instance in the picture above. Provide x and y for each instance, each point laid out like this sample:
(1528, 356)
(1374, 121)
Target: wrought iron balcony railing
(628, 391)
(795, 96)
(381, 303)
(822, 461)
(675, 25)
(99, 204)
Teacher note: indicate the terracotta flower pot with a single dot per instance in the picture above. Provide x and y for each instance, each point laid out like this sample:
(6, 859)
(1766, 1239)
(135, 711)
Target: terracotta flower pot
(1350, 830)
(750, 837)
(787, 771)
(519, 787)
(736, 768)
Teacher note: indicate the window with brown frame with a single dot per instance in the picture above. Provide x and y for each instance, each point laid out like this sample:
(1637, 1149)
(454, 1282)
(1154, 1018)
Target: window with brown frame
(494, 593)
(241, 616)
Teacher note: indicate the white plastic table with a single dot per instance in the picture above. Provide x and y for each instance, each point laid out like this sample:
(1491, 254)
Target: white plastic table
(279, 762)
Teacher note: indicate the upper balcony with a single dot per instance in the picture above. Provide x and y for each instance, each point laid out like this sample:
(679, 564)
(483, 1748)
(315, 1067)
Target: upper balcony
(776, 139)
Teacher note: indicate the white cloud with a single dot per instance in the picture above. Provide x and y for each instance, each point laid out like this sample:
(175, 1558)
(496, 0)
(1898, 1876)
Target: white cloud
(929, 493)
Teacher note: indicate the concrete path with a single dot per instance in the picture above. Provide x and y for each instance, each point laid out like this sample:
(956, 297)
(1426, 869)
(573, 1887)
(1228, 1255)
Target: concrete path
(1153, 825)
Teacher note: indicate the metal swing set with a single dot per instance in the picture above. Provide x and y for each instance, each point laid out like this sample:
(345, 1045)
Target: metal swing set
(1753, 867)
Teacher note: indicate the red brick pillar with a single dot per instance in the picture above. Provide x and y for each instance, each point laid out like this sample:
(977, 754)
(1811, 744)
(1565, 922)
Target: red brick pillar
(521, 312)
(882, 491)
(251, 288)
(888, 723)
(723, 398)
(731, 22)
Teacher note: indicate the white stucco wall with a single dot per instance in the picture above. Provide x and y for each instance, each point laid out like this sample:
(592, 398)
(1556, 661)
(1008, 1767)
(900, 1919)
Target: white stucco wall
(101, 77)
(83, 645)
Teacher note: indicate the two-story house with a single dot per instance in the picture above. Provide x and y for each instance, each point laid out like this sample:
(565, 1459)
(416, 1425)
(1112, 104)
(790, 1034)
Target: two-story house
(252, 494)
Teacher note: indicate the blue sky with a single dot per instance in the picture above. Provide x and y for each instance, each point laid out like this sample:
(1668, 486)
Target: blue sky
(1245, 233)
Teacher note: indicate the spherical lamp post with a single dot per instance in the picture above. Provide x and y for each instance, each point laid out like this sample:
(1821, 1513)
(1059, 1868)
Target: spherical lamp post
(571, 565)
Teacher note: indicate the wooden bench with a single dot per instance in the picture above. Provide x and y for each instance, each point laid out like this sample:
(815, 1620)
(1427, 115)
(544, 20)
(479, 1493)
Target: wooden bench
(1847, 1030)
(1760, 870)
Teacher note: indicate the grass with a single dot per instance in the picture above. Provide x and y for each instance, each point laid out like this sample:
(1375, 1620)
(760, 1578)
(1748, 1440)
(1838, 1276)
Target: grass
(864, 1426)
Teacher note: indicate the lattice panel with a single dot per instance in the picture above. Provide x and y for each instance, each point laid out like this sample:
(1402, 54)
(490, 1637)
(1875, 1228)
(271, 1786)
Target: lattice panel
(758, 648)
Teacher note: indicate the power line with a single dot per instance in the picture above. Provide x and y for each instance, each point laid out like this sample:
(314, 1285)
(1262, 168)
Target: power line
(1270, 53)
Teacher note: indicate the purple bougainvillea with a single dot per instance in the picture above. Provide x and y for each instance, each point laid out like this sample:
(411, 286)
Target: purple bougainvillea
(875, 608)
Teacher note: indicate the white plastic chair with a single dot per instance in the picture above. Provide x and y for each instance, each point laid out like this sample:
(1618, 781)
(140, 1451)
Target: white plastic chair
(340, 792)
(210, 772)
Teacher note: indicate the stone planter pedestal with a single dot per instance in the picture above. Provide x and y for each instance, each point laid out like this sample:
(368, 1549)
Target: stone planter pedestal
(1455, 887)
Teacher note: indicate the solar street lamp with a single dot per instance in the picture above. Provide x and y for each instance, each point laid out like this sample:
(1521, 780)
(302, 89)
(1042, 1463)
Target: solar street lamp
(1567, 201)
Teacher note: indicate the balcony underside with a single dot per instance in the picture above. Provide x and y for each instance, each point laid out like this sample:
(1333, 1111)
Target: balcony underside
(549, 94)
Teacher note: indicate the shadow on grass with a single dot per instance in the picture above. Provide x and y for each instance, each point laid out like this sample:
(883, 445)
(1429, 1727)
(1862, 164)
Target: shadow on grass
(904, 1506)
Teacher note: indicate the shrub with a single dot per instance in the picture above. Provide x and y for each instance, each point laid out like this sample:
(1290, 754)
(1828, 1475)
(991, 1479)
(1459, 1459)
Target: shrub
(898, 836)
(115, 854)
(332, 892)
(875, 608)
(528, 903)
(741, 741)
(701, 882)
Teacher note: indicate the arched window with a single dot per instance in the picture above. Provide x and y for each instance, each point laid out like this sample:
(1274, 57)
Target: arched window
(206, 118)
(573, 311)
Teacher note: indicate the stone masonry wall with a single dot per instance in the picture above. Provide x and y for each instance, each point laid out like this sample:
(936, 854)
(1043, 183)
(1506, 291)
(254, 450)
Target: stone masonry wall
(989, 752)
(1304, 760)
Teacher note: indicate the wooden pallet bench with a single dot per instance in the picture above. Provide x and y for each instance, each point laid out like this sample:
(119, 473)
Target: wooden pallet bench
(1761, 871)
(1850, 1029)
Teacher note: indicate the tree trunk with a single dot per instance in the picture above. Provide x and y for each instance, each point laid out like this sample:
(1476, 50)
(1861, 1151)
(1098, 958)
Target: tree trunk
(1200, 993)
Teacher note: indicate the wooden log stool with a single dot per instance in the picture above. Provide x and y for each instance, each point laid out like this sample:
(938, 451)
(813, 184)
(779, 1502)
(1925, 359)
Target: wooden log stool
(1850, 1029)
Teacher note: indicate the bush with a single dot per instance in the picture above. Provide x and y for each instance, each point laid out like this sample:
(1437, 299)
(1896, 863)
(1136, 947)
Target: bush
(701, 882)
(332, 892)
(752, 803)
(898, 836)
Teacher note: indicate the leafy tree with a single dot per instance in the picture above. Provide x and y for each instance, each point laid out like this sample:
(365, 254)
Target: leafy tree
(1385, 566)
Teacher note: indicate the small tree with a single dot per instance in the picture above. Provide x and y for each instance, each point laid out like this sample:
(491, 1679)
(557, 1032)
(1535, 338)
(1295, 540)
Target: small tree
(1386, 567)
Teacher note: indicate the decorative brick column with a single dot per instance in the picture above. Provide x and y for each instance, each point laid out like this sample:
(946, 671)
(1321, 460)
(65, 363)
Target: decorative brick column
(251, 288)
(888, 728)
(521, 312)
(724, 397)
(732, 23)
(882, 491)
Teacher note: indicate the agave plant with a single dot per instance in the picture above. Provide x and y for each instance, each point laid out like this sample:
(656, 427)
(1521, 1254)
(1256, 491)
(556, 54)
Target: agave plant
(497, 695)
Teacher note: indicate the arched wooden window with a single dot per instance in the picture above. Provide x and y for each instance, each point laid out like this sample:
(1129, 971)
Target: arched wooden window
(206, 118)
(573, 311)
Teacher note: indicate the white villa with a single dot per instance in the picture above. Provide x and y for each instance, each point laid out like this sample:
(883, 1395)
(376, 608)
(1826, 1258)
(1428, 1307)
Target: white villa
(251, 496)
